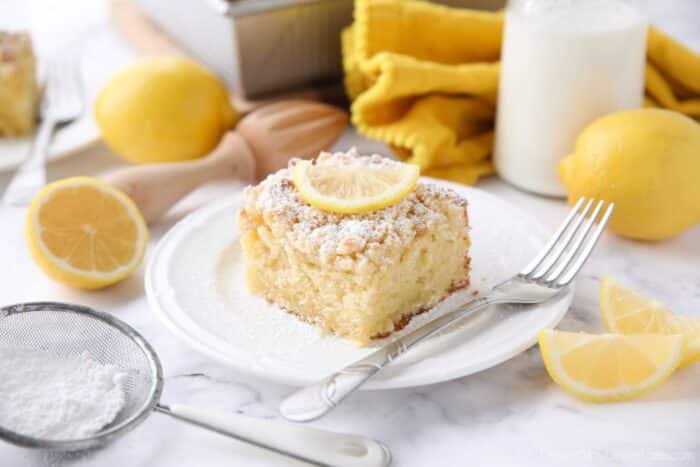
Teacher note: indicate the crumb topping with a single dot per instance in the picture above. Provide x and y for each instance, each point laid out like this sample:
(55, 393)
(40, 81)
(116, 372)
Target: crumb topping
(352, 159)
(14, 45)
(311, 230)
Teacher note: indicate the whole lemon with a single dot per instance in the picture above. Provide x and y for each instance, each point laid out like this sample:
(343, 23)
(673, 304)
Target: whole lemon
(645, 160)
(163, 109)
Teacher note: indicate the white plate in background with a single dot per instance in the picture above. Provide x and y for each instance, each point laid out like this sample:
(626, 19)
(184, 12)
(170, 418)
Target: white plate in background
(67, 141)
(195, 285)
(96, 67)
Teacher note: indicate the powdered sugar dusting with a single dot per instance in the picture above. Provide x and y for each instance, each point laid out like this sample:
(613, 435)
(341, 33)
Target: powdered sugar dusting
(311, 230)
(62, 397)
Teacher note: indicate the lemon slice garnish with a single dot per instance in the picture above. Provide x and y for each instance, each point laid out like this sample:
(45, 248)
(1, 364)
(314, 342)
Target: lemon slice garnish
(609, 367)
(625, 311)
(84, 233)
(354, 188)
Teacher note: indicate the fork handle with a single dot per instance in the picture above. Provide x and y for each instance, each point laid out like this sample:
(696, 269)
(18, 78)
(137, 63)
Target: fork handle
(31, 175)
(155, 188)
(314, 401)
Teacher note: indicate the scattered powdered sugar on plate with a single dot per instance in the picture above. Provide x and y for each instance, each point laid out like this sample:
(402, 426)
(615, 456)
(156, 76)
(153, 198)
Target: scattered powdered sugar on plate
(59, 397)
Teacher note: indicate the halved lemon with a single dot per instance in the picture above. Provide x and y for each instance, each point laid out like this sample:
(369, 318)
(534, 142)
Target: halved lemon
(84, 233)
(625, 311)
(609, 367)
(354, 188)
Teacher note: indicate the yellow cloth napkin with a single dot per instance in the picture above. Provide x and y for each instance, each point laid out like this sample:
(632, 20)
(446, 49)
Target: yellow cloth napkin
(424, 77)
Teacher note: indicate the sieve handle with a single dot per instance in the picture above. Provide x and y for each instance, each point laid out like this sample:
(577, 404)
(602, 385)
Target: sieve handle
(302, 442)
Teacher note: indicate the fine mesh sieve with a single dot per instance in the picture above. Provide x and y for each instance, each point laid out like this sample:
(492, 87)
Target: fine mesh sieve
(66, 329)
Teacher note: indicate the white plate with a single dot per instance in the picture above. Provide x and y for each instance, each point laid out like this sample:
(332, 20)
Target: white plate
(195, 285)
(67, 141)
(96, 67)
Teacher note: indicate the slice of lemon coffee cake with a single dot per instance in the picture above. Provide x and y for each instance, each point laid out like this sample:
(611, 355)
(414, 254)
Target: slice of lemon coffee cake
(361, 275)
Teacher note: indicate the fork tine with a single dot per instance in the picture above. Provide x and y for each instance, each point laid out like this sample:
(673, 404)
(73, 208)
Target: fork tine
(587, 249)
(68, 82)
(58, 83)
(577, 246)
(51, 86)
(73, 74)
(63, 88)
(562, 245)
(553, 240)
(570, 253)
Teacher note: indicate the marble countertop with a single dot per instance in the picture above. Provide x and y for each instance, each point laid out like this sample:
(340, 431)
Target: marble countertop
(512, 414)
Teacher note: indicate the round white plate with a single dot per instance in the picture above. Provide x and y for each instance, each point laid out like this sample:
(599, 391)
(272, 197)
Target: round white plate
(67, 141)
(195, 285)
(96, 67)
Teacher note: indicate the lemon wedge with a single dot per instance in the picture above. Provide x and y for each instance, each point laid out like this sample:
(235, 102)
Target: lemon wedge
(84, 233)
(609, 367)
(354, 188)
(625, 311)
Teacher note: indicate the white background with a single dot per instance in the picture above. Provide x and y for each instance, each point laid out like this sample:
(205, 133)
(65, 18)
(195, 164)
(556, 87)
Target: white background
(509, 415)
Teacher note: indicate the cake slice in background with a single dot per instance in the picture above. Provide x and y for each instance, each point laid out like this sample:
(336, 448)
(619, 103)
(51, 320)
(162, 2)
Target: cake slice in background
(360, 276)
(19, 92)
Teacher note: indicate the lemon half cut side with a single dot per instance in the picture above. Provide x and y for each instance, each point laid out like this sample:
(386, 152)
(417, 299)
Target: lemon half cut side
(85, 233)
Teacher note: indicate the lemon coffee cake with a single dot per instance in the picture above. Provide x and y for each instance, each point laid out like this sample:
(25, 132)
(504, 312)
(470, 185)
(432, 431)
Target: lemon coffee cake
(361, 275)
(19, 92)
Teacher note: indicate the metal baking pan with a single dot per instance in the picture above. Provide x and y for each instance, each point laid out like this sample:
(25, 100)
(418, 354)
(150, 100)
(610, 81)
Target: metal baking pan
(263, 46)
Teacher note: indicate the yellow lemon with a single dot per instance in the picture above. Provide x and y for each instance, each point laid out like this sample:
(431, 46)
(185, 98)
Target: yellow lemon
(84, 233)
(648, 162)
(163, 109)
(355, 188)
(625, 311)
(609, 367)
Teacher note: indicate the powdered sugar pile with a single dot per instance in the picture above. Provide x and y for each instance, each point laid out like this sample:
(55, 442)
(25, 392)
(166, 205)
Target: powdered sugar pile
(59, 397)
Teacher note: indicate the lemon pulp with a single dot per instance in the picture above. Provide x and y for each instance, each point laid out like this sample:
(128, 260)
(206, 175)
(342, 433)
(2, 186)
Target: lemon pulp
(625, 311)
(355, 188)
(609, 367)
(84, 233)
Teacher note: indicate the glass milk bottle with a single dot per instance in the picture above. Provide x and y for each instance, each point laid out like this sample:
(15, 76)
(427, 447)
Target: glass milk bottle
(564, 63)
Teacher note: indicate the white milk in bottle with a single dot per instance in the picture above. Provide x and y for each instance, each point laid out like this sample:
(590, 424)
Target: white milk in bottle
(564, 63)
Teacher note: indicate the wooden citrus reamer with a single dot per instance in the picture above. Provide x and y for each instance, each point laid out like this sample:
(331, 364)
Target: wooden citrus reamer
(263, 142)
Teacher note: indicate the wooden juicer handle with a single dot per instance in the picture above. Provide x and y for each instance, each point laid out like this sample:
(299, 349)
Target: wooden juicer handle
(265, 141)
(155, 188)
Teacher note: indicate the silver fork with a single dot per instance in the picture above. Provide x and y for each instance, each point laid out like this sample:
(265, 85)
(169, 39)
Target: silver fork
(546, 277)
(61, 104)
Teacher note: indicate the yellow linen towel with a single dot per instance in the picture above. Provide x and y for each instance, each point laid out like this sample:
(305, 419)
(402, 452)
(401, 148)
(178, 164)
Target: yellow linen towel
(424, 77)
(672, 74)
